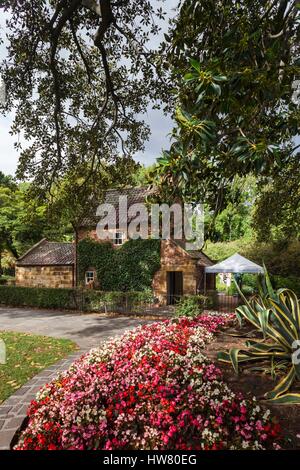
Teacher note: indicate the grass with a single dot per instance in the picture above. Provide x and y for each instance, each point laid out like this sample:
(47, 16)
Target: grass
(26, 356)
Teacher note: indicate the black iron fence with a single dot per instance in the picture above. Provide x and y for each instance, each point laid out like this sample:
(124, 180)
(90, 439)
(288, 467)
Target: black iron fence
(222, 302)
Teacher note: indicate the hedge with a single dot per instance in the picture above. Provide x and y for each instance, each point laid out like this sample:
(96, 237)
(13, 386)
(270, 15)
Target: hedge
(130, 267)
(72, 299)
(40, 297)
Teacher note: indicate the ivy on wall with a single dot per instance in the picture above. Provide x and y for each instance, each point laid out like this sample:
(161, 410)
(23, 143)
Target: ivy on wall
(128, 267)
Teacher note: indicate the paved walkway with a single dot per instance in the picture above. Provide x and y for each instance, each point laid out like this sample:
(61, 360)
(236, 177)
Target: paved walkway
(87, 331)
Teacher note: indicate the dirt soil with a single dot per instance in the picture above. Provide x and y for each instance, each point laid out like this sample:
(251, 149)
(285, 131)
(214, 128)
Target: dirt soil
(252, 383)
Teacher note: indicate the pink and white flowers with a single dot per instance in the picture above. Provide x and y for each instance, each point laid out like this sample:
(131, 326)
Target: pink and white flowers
(152, 388)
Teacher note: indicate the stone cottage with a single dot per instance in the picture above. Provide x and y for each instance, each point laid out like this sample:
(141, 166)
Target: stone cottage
(47, 264)
(52, 264)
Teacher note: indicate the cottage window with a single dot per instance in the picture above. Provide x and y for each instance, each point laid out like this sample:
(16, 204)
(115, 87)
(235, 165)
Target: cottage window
(89, 277)
(118, 238)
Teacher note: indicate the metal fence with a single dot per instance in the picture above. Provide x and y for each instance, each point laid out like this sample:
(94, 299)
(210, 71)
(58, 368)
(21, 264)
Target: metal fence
(102, 302)
(223, 302)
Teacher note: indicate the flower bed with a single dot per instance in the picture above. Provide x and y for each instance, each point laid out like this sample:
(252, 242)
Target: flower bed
(150, 389)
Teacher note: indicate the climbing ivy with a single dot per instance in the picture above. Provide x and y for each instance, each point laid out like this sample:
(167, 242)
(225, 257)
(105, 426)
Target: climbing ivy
(128, 267)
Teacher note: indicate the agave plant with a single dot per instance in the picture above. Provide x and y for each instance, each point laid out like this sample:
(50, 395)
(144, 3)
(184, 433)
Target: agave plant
(277, 316)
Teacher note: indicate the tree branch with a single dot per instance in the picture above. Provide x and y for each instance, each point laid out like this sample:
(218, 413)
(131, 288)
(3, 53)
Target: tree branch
(77, 43)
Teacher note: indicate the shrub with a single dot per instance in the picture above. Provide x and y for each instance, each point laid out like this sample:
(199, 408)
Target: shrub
(248, 290)
(87, 300)
(292, 283)
(151, 389)
(40, 297)
(99, 301)
(191, 306)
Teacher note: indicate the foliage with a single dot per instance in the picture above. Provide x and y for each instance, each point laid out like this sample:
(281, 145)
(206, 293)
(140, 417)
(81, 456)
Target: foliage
(235, 220)
(292, 283)
(24, 220)
(79, 75)
(277, 316)
(247, 290)
(130, 267)
(40, 297)
(75, 299)
(248, 285)
(77, 195)
(120, 302)
(191, 306)
(7, 181)
(277, 212)
(26, 356)
(234, 64)
(281, 259)
(143, 175)
(152, 389)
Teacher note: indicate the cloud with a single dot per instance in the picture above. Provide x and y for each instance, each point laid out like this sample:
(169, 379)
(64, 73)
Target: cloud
(161, 127)
(8, 154)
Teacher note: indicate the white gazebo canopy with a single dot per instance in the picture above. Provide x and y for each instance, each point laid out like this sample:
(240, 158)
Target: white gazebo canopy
(235, 264)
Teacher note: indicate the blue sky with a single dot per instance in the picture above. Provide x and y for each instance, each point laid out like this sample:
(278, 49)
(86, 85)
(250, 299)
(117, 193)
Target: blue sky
(160, 124)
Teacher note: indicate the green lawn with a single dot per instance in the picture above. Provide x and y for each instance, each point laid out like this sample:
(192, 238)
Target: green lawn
(26, 356)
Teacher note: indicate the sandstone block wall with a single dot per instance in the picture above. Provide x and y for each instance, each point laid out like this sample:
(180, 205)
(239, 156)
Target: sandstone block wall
(173, 258)
(45, 276)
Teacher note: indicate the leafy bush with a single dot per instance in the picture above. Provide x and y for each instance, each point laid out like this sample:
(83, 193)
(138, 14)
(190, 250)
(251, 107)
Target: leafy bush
(191, 306)
(130, 267)
(40, 297)
(86, 300)
(277, 316)
(247, 290)
(150, 389)
(292, 283)
(99, 301)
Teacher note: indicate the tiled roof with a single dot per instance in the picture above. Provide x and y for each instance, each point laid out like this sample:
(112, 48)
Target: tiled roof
(203, 259)
(134, 196)
(47, 253)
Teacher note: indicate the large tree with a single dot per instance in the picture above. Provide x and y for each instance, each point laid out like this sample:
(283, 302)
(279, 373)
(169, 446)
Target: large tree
(79, 74)
(277, 214)
(236, 65)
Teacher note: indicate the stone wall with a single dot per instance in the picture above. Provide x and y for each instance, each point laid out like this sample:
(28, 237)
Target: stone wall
(174, 258)
(84, 233)
(45, 276)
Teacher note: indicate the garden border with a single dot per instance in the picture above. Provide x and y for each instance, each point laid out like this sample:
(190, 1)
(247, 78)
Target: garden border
(13, 411)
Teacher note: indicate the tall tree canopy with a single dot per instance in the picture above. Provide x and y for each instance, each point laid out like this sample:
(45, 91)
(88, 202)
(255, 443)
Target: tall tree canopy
(236, 64)
(78, 73)
(277, 214)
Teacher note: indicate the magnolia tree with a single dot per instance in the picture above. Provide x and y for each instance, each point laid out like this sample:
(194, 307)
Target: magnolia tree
(237, 69)
(78, 73)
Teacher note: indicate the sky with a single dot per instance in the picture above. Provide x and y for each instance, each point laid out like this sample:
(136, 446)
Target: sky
(160, 124)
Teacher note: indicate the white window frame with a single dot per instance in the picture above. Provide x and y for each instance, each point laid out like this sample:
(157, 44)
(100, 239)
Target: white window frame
(89, 278)
(118, 240)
